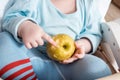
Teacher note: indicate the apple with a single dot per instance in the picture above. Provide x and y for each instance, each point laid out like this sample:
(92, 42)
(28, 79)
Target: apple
(64, 49)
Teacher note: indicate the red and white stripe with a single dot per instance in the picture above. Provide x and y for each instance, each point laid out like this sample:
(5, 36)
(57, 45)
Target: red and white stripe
(20, 71)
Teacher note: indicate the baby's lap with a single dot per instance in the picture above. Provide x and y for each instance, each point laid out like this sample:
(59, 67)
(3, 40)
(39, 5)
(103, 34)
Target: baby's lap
(9, 45)
(10, 49)
(5, 35)
(89, 61)
(89, 64)
(6, 38)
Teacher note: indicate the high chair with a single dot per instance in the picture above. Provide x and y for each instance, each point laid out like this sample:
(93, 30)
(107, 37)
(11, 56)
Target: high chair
(109, 49)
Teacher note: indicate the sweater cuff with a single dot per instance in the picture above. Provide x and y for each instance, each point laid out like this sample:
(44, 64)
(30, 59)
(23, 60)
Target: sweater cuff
(93, 40)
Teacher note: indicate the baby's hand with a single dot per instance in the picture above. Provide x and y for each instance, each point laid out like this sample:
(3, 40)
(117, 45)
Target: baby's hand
(33, 35)
(79, 54)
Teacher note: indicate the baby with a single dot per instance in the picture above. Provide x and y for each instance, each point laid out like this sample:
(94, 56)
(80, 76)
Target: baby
(28, 24)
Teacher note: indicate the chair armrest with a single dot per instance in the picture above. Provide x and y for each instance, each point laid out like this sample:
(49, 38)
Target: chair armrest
(111, 31)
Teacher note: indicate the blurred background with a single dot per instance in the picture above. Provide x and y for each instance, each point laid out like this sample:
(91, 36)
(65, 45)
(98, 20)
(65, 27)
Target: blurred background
(113, 11)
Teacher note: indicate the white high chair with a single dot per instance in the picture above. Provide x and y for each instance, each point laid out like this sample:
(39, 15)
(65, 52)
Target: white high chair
(109, 49)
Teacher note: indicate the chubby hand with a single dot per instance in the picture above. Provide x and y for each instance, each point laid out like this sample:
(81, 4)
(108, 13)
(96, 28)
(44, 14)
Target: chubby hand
(83, 46)
(33, 35)
(79, 53)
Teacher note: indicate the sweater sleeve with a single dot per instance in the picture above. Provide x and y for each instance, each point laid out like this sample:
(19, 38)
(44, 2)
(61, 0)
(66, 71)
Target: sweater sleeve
(16, 12)
(92, 29)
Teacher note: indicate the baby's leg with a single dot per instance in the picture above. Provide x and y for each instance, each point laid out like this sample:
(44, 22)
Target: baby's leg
(14, 63)
(89, 68)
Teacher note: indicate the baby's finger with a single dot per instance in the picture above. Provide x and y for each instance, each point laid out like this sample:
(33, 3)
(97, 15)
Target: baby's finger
(49, 39)
(40, 41)
(28, 45)
(80, 53)
(80, 56)
(34, 44)
(70, 60)
(76, 45)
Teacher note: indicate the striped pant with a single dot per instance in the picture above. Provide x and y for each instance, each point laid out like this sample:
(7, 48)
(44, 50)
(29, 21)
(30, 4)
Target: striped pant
(22, 70)
(14, 65)
(19, 63)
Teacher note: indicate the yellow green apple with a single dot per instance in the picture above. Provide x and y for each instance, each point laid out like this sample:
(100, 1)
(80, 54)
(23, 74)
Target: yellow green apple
(64, 49)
